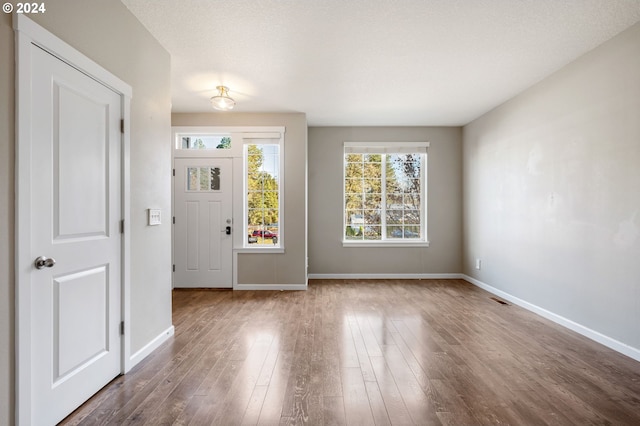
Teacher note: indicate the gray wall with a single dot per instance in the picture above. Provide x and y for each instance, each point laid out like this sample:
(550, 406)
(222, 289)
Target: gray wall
(287, 268)
(444, 208)
(105, 31)
(552, 192)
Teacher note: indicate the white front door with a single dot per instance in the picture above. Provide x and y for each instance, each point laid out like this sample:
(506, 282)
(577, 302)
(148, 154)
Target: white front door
(75, 277)
(202, 250)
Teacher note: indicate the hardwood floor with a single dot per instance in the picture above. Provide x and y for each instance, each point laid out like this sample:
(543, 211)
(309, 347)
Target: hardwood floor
(389, 352)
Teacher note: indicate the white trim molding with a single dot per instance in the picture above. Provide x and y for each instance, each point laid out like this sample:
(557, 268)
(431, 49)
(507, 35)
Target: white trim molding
(150, 347)
(384, 243)
(445, 276)
(260, 250)
(280, 287)
(596, 336)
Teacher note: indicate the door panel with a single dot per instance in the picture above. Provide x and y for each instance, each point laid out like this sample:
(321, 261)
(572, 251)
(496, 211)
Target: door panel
(202, 250)
(80, 158)
(76, 209)
(192, 219)
(214, 235)
(80, 321)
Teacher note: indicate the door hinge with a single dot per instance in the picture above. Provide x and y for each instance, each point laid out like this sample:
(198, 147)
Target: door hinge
(174, 268)
(122, 226)
(122, 328)
(122, 126)
(174, 172)
(174, 220)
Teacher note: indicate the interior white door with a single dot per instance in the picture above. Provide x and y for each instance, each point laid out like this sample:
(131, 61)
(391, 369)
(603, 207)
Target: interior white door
(202, 250)
(76, 211)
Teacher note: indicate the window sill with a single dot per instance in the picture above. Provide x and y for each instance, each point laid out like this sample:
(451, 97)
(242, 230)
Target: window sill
(259, 250)
(385, 244)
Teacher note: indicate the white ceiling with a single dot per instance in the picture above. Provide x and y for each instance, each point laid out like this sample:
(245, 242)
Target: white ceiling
(373, 62)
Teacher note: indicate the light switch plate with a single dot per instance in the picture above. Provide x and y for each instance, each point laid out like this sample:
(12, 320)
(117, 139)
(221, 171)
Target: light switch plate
(155, 217)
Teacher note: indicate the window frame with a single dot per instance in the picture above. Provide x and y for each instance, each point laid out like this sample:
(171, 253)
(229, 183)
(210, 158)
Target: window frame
(223, 152)
(388, 148)
(279, 142)
(240, 135)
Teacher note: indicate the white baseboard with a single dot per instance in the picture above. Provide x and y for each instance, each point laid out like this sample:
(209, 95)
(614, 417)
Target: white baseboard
(607, 341)
(384, 276)
(270, 287)
(150, 347)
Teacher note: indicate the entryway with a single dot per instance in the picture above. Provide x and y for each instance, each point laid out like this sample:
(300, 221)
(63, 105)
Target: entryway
(227, 201)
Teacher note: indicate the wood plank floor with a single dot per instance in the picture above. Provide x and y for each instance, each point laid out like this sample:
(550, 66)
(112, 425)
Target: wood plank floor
(389, 352)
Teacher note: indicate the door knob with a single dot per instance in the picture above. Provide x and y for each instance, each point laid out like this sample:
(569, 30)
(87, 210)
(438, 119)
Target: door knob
(228, 230)
(44, 262)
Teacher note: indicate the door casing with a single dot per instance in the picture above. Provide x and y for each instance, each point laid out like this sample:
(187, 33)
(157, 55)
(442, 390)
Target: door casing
(29, 35)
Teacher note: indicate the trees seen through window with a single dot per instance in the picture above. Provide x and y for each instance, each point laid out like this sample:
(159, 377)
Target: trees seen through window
(383, 196)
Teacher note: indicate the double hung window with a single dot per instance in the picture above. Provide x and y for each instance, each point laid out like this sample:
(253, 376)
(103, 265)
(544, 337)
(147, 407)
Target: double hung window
(385, 193)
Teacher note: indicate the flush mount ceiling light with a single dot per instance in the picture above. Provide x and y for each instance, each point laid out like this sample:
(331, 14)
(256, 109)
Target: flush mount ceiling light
(222, 101)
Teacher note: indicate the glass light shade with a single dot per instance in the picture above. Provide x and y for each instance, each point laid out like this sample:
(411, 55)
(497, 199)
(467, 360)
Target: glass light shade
(222, 101)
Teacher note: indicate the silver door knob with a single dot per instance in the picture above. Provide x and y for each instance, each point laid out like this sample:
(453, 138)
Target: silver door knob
(44, 262)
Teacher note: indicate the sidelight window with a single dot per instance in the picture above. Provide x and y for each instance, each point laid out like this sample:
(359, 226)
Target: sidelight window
(263, 195)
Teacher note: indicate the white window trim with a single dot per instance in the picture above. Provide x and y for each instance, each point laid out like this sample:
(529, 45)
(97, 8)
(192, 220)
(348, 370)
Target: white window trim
(236, 133)
(244, 134)
(263, 139)
(389, 148)
(385, 243)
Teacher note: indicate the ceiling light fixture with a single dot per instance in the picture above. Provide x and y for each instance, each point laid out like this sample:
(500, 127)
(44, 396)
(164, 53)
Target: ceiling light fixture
(222, 101)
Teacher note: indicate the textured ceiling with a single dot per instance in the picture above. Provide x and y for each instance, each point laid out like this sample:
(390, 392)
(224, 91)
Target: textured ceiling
(373, 62)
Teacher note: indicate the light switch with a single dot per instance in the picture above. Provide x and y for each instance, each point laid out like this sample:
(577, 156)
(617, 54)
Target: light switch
(155, 218)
